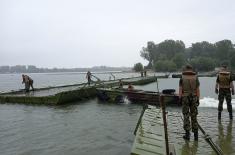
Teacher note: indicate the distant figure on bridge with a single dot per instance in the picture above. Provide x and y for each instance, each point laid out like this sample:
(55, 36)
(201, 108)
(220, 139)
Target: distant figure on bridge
(88, 76)
(189, 94)
(224, 87)
(120, 84)
(113, 76)
(145, 73)
(28, 82)
(142, 73)
(130, 87)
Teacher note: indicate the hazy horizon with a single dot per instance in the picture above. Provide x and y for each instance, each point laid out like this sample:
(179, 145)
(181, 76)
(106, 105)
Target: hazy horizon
(68, 67)
(82, 34)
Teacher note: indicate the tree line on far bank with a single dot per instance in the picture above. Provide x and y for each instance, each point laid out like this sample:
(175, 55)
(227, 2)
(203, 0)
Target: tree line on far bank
(34, 69)
(172, 55)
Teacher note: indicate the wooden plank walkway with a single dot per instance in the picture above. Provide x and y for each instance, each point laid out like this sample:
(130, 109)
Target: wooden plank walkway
(153, 137)
(150, 136)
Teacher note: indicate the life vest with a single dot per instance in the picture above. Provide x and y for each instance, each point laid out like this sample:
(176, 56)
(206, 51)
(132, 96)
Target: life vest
(189, 85)
(224, 79)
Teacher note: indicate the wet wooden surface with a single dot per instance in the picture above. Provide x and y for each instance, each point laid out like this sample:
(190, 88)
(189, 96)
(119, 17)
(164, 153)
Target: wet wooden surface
(150, 138)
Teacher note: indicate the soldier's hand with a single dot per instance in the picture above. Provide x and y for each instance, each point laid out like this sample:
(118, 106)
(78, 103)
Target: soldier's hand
(216, 91)
(232, 92)
(198, 103)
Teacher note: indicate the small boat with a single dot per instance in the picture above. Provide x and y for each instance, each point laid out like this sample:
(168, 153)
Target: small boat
(176, 75)
(118, 95)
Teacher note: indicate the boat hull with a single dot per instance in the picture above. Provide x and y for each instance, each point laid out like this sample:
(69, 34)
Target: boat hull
(136, 96)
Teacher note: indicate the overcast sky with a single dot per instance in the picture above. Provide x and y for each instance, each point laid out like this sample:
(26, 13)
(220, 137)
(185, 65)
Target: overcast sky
(86, 33)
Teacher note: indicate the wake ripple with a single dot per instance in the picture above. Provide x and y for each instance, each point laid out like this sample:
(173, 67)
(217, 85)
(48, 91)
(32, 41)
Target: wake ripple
(212, 102)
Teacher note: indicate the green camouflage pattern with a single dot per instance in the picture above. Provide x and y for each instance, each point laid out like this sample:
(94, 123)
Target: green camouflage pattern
(224, 93)
(189, 108)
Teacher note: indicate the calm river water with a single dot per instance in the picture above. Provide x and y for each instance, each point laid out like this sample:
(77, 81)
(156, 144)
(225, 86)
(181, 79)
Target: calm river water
(95, 128)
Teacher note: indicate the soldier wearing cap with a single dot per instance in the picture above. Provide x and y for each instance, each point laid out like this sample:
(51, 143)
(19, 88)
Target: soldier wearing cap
(189, 94)
(224, 87)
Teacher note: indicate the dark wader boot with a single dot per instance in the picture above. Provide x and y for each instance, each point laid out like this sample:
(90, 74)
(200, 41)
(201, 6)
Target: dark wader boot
(219, 115)
(231, 115)
(187, 135)
(196, 135)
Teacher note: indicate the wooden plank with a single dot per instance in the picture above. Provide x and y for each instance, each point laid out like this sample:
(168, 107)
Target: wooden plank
(150, 148)
(150, 138)
(172, 149)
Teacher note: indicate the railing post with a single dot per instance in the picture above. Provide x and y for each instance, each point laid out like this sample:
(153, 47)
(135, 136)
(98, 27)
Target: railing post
(145, 106)
(164, 122)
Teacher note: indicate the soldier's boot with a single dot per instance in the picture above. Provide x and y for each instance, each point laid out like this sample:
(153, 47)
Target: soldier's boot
(187, 135)
(219, 115)
(231, 115)
(196, 135)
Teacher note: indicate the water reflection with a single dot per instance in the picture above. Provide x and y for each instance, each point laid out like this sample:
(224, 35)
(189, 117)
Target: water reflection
(189, 148)
(225, 138)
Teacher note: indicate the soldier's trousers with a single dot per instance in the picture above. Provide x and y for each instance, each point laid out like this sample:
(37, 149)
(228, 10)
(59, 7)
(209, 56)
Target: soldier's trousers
(224, 93)
(189, 108)
(27, 86)
(89, 81)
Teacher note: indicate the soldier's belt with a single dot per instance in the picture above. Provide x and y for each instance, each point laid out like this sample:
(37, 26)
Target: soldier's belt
(224, 87)
(189, 94)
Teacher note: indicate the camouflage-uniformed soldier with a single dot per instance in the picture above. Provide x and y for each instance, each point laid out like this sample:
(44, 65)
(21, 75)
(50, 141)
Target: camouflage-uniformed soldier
(224, 87)
(189, 93)
(28, 82)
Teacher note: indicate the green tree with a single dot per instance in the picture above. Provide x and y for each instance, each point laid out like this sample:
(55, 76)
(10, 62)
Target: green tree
(224, 48)
(204, 55)
(149, 52)
(203, 49)
(232, 62)
(203, 63)
(165, 66)
(138, 67)
(179, 59)
(159, 66)
(170, 47)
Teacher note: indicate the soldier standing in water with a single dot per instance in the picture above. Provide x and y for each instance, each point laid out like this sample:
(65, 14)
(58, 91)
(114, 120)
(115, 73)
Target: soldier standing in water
(189, 94)
(224, 87)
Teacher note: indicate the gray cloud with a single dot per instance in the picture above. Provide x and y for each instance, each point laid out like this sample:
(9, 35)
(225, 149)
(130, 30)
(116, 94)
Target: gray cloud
(73, 33)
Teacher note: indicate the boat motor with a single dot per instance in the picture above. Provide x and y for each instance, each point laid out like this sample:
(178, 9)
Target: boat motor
(168, 91)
